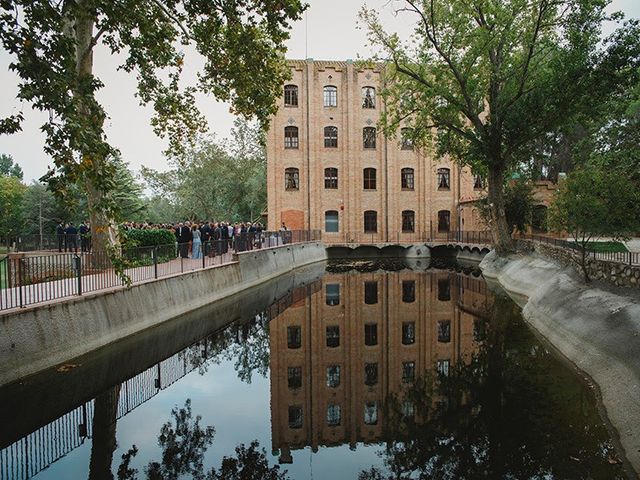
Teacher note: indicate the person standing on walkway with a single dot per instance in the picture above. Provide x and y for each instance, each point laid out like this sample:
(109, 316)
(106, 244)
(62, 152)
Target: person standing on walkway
(196, 246)
(183, 235)
(60, 234)
(71, 234)
(84, 237)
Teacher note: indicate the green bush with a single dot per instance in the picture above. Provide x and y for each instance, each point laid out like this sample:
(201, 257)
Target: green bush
(149, 238)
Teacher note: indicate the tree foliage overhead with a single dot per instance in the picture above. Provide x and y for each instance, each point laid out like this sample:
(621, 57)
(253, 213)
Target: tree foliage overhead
(483, 80)
(9, 168)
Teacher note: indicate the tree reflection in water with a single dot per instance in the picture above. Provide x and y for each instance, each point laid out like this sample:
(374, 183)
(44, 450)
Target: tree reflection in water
(513, 412)
(184, 443)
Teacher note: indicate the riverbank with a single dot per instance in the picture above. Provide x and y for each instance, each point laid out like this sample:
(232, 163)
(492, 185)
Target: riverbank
(596, 327)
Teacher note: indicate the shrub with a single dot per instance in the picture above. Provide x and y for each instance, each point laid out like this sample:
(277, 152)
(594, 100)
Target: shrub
(149, 238)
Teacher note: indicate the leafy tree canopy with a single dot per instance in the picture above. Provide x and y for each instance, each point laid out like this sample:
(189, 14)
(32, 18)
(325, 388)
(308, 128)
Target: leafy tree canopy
(9, 168)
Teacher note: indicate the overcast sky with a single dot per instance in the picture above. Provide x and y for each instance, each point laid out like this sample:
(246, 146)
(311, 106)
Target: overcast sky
(331, 34)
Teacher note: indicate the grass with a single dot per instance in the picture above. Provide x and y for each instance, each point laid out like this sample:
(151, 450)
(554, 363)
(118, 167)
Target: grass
(606, 247)
(3, 269)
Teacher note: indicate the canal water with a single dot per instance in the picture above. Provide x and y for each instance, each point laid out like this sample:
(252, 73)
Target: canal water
(342, 371)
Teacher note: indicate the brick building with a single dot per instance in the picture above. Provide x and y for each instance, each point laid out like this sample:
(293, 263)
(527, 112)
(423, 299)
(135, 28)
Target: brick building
(329, 168)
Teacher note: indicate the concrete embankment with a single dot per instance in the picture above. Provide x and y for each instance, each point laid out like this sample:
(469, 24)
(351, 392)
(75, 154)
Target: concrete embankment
(45, 335)
(596, 329)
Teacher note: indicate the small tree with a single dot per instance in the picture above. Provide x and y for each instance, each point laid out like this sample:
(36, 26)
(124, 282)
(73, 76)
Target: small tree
(594, 202)
(518, 205)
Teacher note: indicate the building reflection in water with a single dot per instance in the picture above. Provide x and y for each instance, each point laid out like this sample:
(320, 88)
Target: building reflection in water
(340, 353)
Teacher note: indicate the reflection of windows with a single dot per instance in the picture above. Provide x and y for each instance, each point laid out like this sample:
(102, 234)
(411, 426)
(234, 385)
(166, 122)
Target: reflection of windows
(290, 137)
(291, 179)
(444, 220)
(443, 179)
(294, 337)
(443, 367)
(333, 293)
(479, 330)
(444, 331)
(408, 372)
(370, 374)
(406, 178)
(477, 182)
(369, 137)
(330, 137)
(370, 221)
(370, 293)
(369, 177)
(371, 413)
(408, 409)
(291, 95)
(408, 333)
(368, 97)
(407, 141)
(331, 222)
(444, 290)
(333, 415)
(295, 417)
(333, 336)
(408, 221)
(408, 291)
(371, 334)
(330, 178)
(330, 96)
(333, 376)
(294, 377)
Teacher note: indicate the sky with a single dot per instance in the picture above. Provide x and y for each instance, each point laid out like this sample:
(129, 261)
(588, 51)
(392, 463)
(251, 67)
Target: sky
(329, 32)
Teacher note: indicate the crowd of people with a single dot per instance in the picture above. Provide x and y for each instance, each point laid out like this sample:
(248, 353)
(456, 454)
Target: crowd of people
(69, 236)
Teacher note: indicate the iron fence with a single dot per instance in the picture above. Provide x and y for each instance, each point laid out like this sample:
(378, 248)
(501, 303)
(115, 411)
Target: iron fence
(478, 237)
(27, 279)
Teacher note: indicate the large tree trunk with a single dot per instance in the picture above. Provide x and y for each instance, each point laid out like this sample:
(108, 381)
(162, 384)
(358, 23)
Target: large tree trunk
(104, 443)
(497, 217)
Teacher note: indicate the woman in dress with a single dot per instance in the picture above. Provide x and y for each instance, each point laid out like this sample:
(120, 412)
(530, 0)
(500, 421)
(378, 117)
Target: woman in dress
(196, 248)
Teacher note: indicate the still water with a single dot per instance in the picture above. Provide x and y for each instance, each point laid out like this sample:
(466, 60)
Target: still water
(333, 373)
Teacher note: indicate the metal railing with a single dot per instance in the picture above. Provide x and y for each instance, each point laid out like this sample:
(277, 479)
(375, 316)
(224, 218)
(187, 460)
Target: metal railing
(30, 279)
(476, 237)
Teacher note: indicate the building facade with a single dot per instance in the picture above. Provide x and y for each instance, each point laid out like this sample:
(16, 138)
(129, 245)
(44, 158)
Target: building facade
(330, 168)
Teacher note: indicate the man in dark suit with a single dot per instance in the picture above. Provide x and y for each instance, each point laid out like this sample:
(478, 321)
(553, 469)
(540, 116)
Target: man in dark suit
(71, 233)
(60, 234)
(183, 235)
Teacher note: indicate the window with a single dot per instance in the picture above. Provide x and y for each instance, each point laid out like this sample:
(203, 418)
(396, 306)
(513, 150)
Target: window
(406, 178)
(371, 413)
(332, 291)
(408, 333)
(369, 137)
(370, 374)
(408, 291)
(333, 415)
(408, 409)
(330, 137)
(290, 137)
(478, 184)
(408, 372)
(368, 97)
(406, 142)
(295, 417)
(444, 179)
(444, 290)
(294, 337)
(443, 367)
(479, 330)
(330, 95)
(294, 377)
(333, 336)
(330, 178)
(291, 179)
(331, 221)
(370, 293)
(444, 331)
(408, 221)
(369, 177)
(444, 220)
(291, 95)
(370, 221)
(333, 376)
(371, 334)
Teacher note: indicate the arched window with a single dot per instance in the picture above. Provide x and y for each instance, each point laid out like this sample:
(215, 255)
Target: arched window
(406, 139)
(330, 95)
(291, 179)
(444, 220)
(369, 137)
(331, 221)
(444, 179)
(370, 221)
(290, 137)
(290, 95)
(330, 178)
(406, 175)
(478, 184)
(331, 137)
(368, 97)
(369, 175)
(408, 221)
